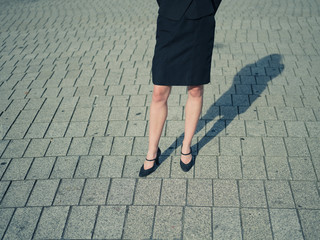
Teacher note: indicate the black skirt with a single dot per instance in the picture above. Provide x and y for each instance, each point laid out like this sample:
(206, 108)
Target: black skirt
(183, 51)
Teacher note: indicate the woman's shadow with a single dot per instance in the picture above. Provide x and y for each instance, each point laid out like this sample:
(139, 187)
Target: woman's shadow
(265, 69)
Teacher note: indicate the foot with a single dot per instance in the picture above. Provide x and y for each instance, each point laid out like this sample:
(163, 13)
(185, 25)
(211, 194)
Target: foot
(186, 157)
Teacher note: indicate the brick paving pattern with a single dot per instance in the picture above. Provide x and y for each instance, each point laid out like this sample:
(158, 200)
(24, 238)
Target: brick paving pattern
(75, 89)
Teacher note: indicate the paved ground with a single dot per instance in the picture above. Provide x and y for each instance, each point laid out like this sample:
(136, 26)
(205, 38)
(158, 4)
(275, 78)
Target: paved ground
(75, 89)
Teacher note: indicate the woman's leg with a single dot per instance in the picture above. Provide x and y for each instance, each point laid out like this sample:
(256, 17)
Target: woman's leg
(192, 113)
(158, 116)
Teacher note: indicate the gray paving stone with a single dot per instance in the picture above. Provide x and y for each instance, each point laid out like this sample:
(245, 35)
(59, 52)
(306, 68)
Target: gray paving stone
(164, 170)
(225, 193)
(313, 144)
(229, 167)
(118, 113)
(17, 131)
(206, 167)
(57, 130)
(23, 223)
(168, 223)
(121, 192)
(252, 193)
(76, 129)
(274, 146)
(228, 112)
(122, 146)
(88, 167)
(286, 113)
(252, 146)
(136, 128)
(37, 130)
(63, 114)
(52, 223)
(278, 168)
(26, 116)
(64, 167)
(199, 192)
(253, 168)
(197, 223)
(95, 191)
(230, 146)
(58, 147)
(147, 192)
(132, 166)
(310, 221)
(275, 100)
(3, 143)
(110, 222)
(116, 128)
(305, 194)
(248, 114)
(17, 169)
(296, 129)
(276, 129)
(80, 146)
(215, 128)
(3, 166)
(15, 148)
(139, 113)
(313, 129)
(111, 166)
(285, 224)
(96, 129)
(279, 194)
(255, 128)
(141, 216)
(173, 192)
(208, 146)
(3, 188)
(100, 113)
(255, 224)
(140, 146)
(37, 148)
(81, 114)
(235, 128)
(101, 146)
(6, 214)
(137, 100)
(302, 168)
(120, 100)
(43, 193)
(80, 222)
(226, 223)
(41, 168)
(69, 192)
(297, 147)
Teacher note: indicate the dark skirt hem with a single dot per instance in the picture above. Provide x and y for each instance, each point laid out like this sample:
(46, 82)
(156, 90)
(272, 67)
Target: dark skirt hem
(183, 51)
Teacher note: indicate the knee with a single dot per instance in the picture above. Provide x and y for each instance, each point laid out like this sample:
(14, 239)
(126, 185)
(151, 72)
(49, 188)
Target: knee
(195, 91)
(160, 95)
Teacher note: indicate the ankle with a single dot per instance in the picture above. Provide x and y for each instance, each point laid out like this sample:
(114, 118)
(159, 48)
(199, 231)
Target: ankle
(152, 154)
(185, 147)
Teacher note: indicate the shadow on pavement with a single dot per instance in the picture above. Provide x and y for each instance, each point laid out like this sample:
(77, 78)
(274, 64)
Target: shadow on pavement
(269, 66)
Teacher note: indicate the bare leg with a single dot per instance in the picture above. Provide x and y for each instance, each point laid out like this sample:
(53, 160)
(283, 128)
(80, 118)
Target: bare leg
(192, 113)
(158, 115)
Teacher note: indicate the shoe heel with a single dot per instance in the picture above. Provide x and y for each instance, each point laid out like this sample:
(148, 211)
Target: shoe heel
(158, 156)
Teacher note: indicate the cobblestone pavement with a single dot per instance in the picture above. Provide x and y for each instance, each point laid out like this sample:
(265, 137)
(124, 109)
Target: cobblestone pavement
(75, 90)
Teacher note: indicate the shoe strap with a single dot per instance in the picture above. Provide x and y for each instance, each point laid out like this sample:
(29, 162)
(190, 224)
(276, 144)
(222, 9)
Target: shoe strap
(185, 154)
(150, 160)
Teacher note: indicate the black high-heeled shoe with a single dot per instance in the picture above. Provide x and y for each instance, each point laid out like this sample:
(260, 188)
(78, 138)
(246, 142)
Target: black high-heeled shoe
(186, 167)
(145, 172)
